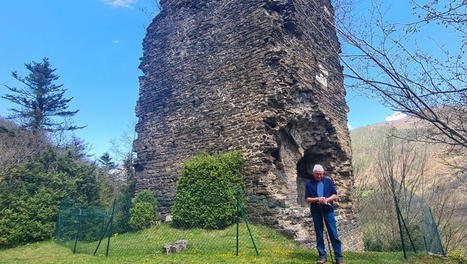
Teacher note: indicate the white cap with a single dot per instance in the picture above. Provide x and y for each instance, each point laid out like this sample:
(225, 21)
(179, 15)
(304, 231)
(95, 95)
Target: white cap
(318, 167)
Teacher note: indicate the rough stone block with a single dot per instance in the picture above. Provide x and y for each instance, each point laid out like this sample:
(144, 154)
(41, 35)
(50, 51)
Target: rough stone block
(176, 247)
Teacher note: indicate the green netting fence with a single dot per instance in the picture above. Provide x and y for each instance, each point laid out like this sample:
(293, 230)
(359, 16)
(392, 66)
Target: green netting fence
(101, 232)
(84, 230)
(429, 230)
(404, 223)
(420, 232)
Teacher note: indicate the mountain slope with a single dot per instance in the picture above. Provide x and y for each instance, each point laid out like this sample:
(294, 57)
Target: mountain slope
(441, 184)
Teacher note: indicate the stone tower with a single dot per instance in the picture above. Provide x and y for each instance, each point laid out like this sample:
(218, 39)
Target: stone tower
(261, 76)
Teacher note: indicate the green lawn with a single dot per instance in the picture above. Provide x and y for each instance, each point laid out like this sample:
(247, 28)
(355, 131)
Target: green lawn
(203, 247)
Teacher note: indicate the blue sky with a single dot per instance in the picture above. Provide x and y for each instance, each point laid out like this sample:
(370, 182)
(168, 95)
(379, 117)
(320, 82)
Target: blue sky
(95, 45)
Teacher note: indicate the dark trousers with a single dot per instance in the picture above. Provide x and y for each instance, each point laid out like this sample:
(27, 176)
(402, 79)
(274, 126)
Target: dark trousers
(332, 230)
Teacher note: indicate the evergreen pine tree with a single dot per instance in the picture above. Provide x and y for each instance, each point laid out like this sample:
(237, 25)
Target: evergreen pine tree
(107, 161)
(40, 100)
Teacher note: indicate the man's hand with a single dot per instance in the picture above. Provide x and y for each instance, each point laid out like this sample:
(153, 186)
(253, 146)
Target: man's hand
(331, 198)
(322, 200)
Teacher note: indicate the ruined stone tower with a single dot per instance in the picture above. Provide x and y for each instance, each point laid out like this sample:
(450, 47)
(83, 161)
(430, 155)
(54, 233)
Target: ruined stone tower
(261, 76)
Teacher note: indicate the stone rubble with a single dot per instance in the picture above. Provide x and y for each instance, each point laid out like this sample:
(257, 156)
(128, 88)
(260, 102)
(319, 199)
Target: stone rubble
(176, 247)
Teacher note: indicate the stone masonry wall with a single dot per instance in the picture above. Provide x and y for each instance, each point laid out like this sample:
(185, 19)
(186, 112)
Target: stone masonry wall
(261, 76)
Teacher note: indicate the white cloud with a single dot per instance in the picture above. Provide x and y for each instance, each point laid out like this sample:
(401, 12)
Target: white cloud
(349, 126)
(395, 116)
(116, 41)
(120, 3)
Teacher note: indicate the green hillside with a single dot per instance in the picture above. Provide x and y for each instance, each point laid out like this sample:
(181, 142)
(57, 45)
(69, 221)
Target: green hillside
(365, 141)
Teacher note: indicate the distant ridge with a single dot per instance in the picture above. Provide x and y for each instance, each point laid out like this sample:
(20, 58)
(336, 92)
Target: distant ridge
(407, 122)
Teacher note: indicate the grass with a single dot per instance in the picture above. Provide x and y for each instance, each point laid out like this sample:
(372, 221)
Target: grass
(203, 247)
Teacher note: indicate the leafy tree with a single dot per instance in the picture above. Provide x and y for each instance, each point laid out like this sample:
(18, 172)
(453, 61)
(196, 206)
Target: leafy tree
(206, 191)
(41, 99)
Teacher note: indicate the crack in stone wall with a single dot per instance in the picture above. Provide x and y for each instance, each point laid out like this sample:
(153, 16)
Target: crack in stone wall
(250, 75)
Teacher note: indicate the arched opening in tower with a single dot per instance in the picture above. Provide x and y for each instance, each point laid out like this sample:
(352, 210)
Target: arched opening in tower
(305, 172)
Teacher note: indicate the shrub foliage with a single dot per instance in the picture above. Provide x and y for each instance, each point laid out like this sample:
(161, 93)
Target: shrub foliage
(30, 195)
(206, 191)
(143, 213)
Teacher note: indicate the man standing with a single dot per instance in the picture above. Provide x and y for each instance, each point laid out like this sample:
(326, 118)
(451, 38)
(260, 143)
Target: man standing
(320, 193)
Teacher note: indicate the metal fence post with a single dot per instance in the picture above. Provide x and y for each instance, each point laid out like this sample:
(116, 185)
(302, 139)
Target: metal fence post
(110, 229)
(77, 231)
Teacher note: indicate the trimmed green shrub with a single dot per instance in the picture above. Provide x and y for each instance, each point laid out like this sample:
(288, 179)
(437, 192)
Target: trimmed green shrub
(206, 191)
(146, 197)
(143, 213)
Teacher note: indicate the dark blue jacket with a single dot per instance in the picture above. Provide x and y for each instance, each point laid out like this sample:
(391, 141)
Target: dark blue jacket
(328, 190)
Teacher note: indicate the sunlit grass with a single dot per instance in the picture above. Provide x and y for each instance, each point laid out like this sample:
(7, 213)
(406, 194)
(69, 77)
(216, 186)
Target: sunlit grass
(204, 246)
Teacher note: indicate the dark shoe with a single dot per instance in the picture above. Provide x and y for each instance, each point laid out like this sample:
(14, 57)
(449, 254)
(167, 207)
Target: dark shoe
(340, 261)
(321, 261)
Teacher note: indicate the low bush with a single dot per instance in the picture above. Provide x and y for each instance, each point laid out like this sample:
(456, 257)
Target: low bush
(143, 213)
(206, 191)
(457, 256)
